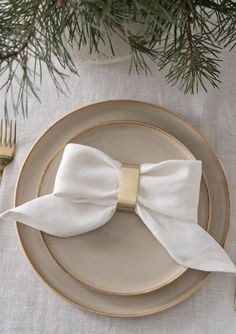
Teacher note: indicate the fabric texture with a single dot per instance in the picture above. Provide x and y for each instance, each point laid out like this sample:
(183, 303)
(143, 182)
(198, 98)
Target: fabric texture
(27, 305)
(86, 192)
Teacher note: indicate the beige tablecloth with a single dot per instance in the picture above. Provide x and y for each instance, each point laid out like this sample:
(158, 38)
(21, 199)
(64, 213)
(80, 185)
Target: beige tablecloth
(27, 306)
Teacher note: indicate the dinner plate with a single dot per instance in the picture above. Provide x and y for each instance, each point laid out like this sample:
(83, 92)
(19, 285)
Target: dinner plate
(122, 257)
(38, 253)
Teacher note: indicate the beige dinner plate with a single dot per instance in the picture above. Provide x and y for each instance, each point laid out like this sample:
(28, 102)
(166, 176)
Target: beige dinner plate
(38, 253)
(122, 257)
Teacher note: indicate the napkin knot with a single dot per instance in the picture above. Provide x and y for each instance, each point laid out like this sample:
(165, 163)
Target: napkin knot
(128, 187)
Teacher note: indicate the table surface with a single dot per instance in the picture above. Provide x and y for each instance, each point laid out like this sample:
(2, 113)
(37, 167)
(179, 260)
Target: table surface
(29, 306)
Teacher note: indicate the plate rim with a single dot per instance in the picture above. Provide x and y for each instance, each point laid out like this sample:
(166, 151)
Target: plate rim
(227, 188)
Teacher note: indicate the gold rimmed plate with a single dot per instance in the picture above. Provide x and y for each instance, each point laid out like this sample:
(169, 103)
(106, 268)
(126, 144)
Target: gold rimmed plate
(42, 260)
(122, 257)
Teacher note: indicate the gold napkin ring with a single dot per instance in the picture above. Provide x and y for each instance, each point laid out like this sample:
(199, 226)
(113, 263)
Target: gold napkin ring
(128, 187)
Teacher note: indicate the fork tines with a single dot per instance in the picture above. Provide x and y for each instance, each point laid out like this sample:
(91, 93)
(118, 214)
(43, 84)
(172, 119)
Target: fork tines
(7, 133)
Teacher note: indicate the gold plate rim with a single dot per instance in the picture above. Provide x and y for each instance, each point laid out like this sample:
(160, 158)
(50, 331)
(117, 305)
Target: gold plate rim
(186, 123)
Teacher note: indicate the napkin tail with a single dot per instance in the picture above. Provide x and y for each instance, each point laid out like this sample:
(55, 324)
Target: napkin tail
(187, 243)
(60, 217)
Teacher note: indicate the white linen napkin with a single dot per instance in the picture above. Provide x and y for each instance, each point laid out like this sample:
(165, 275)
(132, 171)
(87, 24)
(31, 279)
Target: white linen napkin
(85, 198)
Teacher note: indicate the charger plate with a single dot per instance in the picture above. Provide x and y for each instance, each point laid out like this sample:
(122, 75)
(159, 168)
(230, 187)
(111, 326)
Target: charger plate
(122, 257)
(38, 254)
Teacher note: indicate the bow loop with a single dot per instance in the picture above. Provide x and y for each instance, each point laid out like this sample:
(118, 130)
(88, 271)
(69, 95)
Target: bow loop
(87, 174)
(171, 188)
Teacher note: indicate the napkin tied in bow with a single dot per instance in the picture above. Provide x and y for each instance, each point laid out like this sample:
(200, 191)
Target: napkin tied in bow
(85, 198)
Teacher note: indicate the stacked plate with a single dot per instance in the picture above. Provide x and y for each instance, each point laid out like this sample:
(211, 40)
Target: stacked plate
(120, 269)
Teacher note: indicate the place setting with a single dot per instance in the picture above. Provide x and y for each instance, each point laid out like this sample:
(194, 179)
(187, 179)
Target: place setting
(117, 167)
(122, 208)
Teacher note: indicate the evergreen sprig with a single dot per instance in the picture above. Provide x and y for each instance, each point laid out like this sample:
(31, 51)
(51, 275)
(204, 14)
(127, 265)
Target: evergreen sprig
(183, 37)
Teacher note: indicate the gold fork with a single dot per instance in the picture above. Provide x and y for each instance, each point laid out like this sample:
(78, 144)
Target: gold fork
(7, 143)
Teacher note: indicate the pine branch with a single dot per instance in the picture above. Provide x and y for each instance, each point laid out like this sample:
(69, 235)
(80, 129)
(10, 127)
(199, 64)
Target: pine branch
(182, 37)
(191, 57)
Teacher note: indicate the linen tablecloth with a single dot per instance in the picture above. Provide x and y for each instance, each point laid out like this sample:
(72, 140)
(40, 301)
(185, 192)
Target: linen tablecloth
(27, 306)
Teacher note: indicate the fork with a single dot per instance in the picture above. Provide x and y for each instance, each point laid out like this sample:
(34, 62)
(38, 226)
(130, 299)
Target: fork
(7, 143)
